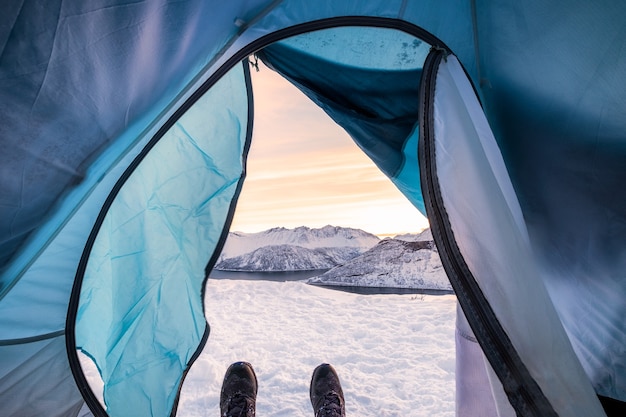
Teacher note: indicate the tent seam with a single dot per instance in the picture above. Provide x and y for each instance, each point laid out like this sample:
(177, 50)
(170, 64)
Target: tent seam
(31, 339)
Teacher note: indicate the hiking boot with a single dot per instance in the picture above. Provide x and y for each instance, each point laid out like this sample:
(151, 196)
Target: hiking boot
(326, 393)
(238, 396)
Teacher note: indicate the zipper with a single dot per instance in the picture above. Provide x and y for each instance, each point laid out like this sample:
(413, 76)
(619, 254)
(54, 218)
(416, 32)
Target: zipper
(522, 390)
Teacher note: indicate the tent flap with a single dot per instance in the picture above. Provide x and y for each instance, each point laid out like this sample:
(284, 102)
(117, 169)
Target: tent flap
(493, 272)
(139, 314)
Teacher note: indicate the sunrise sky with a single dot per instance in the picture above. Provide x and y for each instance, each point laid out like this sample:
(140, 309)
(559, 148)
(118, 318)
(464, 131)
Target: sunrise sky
(304, 170)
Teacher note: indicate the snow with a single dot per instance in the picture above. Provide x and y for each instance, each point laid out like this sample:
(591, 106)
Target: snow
(425, 235)
(394, 353)
(240, 243)
(392, 263)
(288, 258)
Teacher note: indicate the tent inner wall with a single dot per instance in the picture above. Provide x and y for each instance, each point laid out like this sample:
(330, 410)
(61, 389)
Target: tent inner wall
(554, 92)
(480, 230)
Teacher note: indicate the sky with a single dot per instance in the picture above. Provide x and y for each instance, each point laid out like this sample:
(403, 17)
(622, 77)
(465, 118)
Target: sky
(304, 170)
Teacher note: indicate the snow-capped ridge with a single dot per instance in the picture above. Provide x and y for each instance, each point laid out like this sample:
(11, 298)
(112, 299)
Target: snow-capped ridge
(392, 263)
(240, 243)
(275, 258)
(425, 235)
(351, 256)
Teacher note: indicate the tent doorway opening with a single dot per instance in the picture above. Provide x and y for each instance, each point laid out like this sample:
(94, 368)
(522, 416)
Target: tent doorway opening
(325, 177)
(380, 98)
(304, 170)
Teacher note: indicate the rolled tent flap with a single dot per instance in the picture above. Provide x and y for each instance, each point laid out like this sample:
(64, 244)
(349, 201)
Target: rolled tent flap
(481, 235)
(138, 301)
(371, 93)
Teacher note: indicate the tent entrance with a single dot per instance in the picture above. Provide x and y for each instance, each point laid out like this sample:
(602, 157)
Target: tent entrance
(391, 102)
(136, 226)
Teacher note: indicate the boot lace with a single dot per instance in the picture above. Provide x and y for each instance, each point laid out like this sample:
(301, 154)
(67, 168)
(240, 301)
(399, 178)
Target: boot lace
(239, 405)
(331, 406)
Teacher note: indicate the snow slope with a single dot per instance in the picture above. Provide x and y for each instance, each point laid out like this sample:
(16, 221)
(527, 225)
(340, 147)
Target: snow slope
(394, 354)
(392, 263)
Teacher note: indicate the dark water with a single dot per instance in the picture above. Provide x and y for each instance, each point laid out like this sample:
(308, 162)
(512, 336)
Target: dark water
(267, 276)
(304, 275)
(384, 290)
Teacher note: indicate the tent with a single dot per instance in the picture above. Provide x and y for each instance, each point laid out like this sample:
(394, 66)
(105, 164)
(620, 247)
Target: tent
(125, 128)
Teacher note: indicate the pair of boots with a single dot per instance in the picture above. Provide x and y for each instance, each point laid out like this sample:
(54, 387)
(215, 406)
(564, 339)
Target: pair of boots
(239, 389)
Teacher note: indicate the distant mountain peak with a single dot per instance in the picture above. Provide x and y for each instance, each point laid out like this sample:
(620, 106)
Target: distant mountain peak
(351, 257)
(318, 248)
(274, 258)
(424, 235)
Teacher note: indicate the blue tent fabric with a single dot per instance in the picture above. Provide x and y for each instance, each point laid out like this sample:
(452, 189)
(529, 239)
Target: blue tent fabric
(160, 232)
(493, 272)
(32, 366)
(560, 123)
(85, 86)
(75, 78)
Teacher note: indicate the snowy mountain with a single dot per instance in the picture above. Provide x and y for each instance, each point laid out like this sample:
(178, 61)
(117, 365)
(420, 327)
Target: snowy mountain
(288, 258)
(392, 263)
(302, 248)
(357, 258)
(425, 235)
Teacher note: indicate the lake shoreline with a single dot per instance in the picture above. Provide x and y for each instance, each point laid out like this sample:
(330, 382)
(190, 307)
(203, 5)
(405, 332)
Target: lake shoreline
(304, 275)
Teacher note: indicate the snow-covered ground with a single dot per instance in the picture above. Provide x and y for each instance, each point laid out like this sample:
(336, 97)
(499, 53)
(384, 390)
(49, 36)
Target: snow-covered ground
(394, 353)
